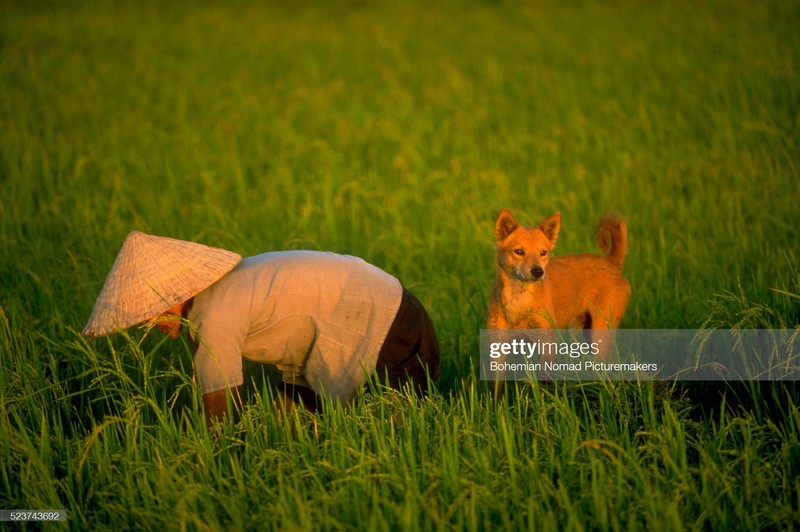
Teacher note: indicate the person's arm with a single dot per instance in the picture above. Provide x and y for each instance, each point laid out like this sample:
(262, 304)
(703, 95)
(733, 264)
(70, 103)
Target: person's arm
(215, 404)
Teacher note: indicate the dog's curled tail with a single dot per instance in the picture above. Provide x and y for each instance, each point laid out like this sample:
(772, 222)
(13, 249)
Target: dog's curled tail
(612, 237)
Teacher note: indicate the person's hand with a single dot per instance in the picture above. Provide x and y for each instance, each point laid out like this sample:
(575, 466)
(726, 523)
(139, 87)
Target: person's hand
(215, 404)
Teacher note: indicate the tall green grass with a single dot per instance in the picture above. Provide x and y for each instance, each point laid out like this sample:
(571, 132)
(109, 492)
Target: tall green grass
(396, 133)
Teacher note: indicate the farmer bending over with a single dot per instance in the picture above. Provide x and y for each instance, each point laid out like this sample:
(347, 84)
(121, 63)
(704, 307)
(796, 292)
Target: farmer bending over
(326, 321)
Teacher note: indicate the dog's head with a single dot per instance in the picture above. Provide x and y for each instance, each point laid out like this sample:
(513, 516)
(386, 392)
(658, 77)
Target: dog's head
(523, 252)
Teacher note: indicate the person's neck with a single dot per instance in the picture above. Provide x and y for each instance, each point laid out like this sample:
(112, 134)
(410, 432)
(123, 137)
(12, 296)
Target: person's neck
(187, 307)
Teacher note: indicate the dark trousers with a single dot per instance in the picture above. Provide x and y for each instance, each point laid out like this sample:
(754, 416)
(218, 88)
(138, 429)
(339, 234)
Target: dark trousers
(409, 355)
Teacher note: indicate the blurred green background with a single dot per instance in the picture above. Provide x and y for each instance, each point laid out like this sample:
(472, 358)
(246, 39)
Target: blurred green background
(396, 132)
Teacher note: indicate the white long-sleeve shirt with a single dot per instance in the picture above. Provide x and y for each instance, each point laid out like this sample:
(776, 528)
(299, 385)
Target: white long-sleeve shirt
(321, 318)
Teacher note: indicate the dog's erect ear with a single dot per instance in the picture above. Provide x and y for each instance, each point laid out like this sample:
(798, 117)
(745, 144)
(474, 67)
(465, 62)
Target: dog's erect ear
(551, 226)
(505, 225)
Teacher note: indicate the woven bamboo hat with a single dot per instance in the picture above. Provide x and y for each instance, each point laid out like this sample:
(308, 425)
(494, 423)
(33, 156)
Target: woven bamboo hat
(152, 274)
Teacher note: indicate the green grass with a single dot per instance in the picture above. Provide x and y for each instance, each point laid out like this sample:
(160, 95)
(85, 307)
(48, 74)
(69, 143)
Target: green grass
(396, 133)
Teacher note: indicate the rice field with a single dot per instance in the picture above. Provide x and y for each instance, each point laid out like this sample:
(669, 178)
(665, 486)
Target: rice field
(396, 133)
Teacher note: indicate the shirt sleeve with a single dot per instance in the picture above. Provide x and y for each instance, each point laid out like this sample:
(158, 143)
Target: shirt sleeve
(220, 340)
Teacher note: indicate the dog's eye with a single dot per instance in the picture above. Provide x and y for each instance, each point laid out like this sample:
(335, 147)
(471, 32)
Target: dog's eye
(519, 252)
(543, 253)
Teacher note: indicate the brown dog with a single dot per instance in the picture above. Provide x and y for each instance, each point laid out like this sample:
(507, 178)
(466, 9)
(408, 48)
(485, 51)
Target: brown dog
(534, 291)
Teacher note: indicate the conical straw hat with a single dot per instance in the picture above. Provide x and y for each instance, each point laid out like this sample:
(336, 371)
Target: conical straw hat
(152, 274)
